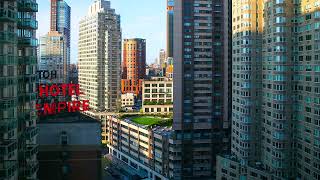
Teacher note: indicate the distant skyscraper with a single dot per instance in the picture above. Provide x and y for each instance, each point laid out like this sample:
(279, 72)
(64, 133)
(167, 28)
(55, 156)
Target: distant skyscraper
(100, 57)
(53, 53)
(169, 68)
(60, 21)
(18, 64)
(170, 12)
(162, 58)
(133, 66)
(202, 86)
(276, 101)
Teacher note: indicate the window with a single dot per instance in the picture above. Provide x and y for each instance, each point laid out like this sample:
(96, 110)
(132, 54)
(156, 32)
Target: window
(64, 138)
(279, 1)
(308, 37)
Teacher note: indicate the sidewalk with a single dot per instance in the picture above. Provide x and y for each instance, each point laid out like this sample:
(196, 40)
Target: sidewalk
(127, 170)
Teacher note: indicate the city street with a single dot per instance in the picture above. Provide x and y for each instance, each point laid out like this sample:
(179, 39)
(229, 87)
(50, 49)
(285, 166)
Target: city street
(111, 173)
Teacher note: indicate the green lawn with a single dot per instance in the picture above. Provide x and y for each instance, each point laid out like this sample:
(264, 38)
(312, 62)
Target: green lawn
(146, 120)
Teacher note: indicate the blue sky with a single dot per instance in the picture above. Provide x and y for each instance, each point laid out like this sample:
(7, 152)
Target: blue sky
(139, 18)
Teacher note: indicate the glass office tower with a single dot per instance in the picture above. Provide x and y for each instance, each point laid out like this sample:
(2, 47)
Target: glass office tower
(170, 13)
(61, 18)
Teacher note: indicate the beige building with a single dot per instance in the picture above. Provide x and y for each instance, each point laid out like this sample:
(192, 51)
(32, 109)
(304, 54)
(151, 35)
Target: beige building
(141, 147)
(100, 57)
(127, 101)
(157, 95)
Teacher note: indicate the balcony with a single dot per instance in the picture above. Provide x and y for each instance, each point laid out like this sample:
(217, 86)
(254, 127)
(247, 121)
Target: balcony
(31, 168)
(8, 148)
(8, 60)
(8, 124)
(7, 15)
(8, 103)
(27, 60)
(27, 41)
(28, 23)
(30, 133)
(7, 81)
(31, 150)
(8, 169)
(28, 6)
(8, 37)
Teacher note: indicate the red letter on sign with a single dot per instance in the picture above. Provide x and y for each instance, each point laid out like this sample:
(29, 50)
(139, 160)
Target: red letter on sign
(49, 110)
(43, 90)
(85, 105)
(54, 90)
(61, 106)
(64, 89)
(71, 89)
(77, 89)
(76, 106)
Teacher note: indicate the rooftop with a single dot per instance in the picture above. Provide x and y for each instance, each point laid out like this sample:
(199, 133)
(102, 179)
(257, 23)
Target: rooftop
(149, 120)
(67, 118)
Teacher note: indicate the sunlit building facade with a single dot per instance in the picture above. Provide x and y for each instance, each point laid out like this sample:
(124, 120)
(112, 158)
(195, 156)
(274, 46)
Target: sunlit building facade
(275, 119)
(133, 66)
(100, 57)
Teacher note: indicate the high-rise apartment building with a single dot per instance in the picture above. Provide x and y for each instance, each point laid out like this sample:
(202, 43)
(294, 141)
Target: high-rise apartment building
(18, 65)
(134, 65)
(53, 57)
(202, 85)
(100, 57)
(275, 119)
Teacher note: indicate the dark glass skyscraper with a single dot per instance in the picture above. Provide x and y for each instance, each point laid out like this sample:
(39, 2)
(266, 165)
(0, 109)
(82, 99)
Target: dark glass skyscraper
(18, 65)
(60, 18)
(202, 82)
(170, 12)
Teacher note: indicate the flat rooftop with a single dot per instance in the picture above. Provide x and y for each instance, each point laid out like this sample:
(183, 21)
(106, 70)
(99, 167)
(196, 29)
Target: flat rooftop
(67, 118)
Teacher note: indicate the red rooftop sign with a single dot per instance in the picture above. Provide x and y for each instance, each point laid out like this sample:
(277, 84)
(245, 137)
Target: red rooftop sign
(60, 90)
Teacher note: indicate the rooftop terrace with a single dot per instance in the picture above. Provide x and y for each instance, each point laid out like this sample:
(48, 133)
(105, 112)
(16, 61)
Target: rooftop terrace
(149, 120)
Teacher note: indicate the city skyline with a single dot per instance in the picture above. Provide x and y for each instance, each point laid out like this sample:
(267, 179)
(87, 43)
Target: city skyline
(233, 95)
(138, 24)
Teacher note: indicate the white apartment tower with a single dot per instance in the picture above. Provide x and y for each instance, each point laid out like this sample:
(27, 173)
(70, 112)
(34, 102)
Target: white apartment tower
(100, 57)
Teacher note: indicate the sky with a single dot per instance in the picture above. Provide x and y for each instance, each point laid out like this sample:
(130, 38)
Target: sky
(139, 19)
